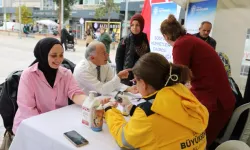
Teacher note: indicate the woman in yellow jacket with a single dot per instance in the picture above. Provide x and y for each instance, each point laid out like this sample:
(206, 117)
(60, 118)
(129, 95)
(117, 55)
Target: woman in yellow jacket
(171, 118)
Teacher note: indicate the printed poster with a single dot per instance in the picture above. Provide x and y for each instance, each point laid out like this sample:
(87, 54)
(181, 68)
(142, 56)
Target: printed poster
(199, 12)
(159, 13)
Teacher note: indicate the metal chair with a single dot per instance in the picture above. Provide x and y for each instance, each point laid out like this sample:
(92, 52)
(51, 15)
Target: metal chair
(233, 145)
(244, 137)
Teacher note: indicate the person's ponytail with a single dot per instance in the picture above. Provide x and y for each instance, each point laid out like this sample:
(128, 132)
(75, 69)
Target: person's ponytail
(172, 28)
(178, 74)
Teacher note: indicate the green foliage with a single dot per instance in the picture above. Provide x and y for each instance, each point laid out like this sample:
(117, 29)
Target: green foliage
(8, 16)
(26, 15)
(106, 9)
(67, 8)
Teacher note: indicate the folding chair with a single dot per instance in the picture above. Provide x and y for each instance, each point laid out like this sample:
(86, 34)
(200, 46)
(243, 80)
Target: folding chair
(244, 137)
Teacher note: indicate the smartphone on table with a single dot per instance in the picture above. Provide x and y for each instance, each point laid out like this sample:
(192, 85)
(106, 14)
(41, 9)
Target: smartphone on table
(75, 138)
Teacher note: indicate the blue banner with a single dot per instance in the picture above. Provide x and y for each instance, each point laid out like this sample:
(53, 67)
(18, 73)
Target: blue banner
(199, 12)
(159, 13)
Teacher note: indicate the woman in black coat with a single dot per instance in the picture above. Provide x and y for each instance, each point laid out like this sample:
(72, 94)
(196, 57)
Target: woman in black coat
(132, 47)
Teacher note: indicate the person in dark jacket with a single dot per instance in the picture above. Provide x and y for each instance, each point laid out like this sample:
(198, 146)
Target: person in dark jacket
(106, 40)
(210, 83)
(25, 30)
(132, 47)
(64, 36)
(204, 32)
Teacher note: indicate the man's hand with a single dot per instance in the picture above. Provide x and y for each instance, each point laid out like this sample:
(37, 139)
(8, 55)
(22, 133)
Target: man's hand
(123, 74)
(132, 89)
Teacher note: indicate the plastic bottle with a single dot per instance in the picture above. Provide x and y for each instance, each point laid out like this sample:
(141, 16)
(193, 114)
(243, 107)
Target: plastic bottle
(97, 120)
(92, 114)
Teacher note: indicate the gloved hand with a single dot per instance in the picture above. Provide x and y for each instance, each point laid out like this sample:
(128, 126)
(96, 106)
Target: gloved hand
(110, 103)
(126, 104)
(124, 100)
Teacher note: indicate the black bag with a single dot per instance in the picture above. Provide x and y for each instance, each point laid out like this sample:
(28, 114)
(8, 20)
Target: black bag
(71, 66)
(68, 64)
(247, 89)
(243, 117)
(8, 99)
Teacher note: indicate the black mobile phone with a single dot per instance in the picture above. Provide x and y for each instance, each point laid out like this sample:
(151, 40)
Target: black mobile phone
(76, 138)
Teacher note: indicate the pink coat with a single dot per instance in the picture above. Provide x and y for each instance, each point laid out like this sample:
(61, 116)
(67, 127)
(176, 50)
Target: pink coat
(36, 96)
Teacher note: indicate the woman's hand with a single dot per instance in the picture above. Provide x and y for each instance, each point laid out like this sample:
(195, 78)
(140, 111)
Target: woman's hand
(106, 103)
(132, 89)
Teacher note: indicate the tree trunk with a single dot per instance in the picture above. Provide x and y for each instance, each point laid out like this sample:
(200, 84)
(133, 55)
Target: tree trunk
(109, 16)
(59, 17)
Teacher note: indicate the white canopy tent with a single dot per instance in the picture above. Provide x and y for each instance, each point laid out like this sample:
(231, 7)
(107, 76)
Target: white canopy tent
(184, 3)
(48, 23)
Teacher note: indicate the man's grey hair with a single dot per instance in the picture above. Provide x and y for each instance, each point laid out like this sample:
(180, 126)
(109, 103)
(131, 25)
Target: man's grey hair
(206, 22)
(90, 50)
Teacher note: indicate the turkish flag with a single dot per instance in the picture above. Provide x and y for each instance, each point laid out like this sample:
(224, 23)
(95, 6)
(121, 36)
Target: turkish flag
(146, 13)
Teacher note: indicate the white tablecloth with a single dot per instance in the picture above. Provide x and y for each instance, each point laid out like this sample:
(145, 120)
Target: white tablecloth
(45, 132)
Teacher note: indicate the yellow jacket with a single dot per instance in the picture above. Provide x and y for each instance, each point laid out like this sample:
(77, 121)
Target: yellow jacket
(178, 122)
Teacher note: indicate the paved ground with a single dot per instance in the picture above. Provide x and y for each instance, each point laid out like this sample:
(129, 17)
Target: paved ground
(17, 54)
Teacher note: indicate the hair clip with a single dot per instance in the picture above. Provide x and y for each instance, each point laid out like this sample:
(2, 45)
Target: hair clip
(173, 77)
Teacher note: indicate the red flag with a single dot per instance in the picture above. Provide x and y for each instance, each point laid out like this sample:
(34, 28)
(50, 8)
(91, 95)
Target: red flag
(146, 13)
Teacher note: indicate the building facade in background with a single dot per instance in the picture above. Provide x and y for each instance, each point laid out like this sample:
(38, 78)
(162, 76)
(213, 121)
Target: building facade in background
(27, 3)
(48, 5)
(85, 9)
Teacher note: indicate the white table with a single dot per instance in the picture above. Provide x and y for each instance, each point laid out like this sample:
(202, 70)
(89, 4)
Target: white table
(45, 132)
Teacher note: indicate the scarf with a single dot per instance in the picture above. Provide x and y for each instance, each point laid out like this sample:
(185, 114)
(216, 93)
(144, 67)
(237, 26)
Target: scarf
(41, 53)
